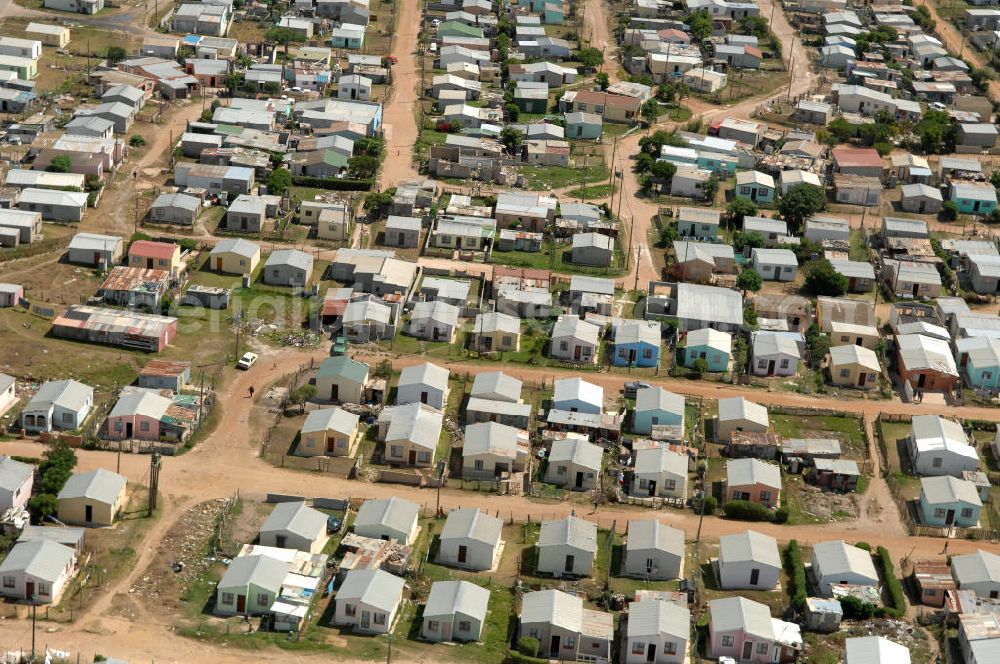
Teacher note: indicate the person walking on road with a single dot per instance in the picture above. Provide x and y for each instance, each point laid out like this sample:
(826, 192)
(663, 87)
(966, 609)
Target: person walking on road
(251, 391)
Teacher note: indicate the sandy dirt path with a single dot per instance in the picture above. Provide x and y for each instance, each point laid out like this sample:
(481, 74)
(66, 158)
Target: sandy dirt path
(398, 119)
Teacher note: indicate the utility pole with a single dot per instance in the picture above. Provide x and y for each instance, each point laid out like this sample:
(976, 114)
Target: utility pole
(611, 183)
(154, 480)
(34, 607)
(791, 76)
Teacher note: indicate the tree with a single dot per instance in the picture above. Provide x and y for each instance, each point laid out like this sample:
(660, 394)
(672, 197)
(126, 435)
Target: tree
(590, 57)
(935, 131)
(279, 181)
(749, 281)
(749, 317)
(980, 77)
(511, 138)
(742, 240)
(949, 211)
(883, 148)
(284, 36)
(378, 202)
(818, 345)
(44, 505)
(528, 645)
(663, 170)
(301, 394)
(362, 167)
(700, 23)
(650, 111)
(115, 54)
(754, 25)
(711, 187)
(513, 112)
(742, 207)
(700, 366)
(823, 279)
(136, 141)
(644, 162)
(801, 202)
(369, 146)
(60, 164)
(840, 129)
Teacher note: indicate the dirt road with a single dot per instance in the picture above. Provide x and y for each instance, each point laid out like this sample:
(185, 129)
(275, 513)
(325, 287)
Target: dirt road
(958, 45)
(398, 117)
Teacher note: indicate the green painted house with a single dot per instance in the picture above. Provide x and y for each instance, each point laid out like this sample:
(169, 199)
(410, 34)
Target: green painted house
(250, 586)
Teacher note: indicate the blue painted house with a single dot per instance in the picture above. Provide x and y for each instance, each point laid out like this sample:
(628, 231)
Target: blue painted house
(949, 501)
(582, 125)
(553, 13)
(654, 406)
(698, 222)
(637, 343)
(973, 197)
(757, 186)
(715, 347)
(716, 162)
(979, 358)
(347, 36)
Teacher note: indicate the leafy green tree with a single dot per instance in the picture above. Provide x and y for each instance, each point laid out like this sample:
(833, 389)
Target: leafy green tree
(742, 240)
(749, 317)
(603, 80)
(511, 138)
(284, 36)
(700, 23)
(362, 167)
(60, 164)
(801, 202)
(377, 202)
(644, 162)
(370, 146)
(44, 505)
(840, 129)
(663, 170)
(754, 25)
(650, 111)
(823, 279)
(711, 187)
(749, 281)
(981, 77)
(949, 211)
(136, 141)
(279, 181)
(700, 366)
(590, 57)
(818, 344)
(935, 131)
(115, 54)
(301, 394)
(742, 207)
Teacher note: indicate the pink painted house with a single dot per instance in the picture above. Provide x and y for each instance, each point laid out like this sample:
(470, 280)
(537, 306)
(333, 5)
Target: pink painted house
(10, 294)
(147, 415)
(744, 630)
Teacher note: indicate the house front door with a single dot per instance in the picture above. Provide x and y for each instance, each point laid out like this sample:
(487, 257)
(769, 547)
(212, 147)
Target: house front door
(651, 652)
(218, 264)
(770, 367)
(366, 619)
(579, 480)
(462, 553)
(949, 518)
(861, 378)
(554, 646)
(88, 513)
(568, 567)
(149, 263)
(241, 603)
(128, 429)
(29, 590)
(576, 353)
(652, 487)
(754, 577)
(413, 457)
(921, 380)
(334, 392)
(747, 649)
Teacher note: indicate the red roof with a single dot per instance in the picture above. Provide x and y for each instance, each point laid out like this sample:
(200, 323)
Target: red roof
(856, 157)
(148, 249)
(754, 51)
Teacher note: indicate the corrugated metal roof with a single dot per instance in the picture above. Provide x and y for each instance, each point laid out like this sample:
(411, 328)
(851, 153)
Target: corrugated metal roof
(296, 518)
(394, 513)
(654, 618)
(472, 524)
(372, 587)
(261, 571)
(571, 531)
(100, 485)
(42, 559)
(749, 546)
(448, 598)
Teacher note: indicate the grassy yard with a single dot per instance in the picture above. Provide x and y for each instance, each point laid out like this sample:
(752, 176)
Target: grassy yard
(591, 192)
(847, 430)
(555, 256)
(558, 177)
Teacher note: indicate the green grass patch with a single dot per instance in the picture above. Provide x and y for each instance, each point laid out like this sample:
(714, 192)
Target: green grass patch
(558, 177)
(591, 192)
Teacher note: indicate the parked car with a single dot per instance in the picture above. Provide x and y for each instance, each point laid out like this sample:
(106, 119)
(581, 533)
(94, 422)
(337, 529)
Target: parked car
(247, 361)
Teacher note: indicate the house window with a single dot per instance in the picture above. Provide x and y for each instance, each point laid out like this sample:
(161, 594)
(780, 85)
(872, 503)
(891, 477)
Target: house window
(669, 648)
(570, 641)
(784, 364)
(227, 598)
(8, 582)
(845, 373)
(424, 457)
(966, 512)
(533, 633)
(727, 641)
(379, 618)
(638, 647)
(929, 592)
(745, 190)
(563, 345)
(396, 451)
(341, 443)
(765, 496)
(560, 470)
(762, 648)
(643, 484)
(43, 589)
(432, 625)
(464, 626)
(939, 513)
(118, 425)
(623, 352)
(478, 464)
(263, 599)
(762, 364)
(936, 462)
(350, 610)
(670, 485)
(648, 353)
(844, 338)
(67, 418)
(508, 341)
(144, 425)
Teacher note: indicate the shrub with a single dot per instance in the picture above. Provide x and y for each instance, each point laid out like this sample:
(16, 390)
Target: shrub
(797, 572)
(709, 504)
(136, 141)
(527, 645)
(864, 545)
(949, 211)
(746, 510)
(855, 609)
(781, 515)
(892, 584)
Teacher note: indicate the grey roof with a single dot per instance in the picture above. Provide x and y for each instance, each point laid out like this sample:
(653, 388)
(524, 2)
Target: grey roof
(767, 344)
(653, 617)
(437, 311)
(474, 524)
(647, 534)
(749, 546)
(577, 452)
(248, 204)
(857, 269)
(709, 303)
(572, 531)
(183, 201)
(554, 607)
(296, 518)
(657, 398)
(496, 385)
(919, 351)
(783, 257)
(127, 91)
(839, 466)
(67, 393)
(638, 331)
(416, 423)
(235, 245)
(403, 223)
(743, 472)
(838, 557)
(933, 432)
(584, 284)
(920, 189)
(566, 389)
(730, 614)
(765, 225)
(659, 460)
(291, 257)
(69, 536)
(14, 473)
(95, 242)
(453, 289)
(261, 571)
(98, 125)
(738, 408)
(330, 419)
(988, 265)
(707, 336)
(948, 489)
(874, 650)
(372, 587)
(852, 354)
(100, 485)
(979, 567)
(141, 402)
(77, 199)
(427, 374)
(43, 559)
(395, 513)
(449, 598)
(686, 250)
(489, 438)
(572, 326)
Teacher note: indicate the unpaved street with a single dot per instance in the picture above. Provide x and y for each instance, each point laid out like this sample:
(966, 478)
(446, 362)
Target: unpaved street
(399, 117)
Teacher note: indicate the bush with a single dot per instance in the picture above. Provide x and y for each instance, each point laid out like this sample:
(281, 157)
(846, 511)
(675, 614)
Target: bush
(747, 510)
(864, 545)
(334, 184)
(279, 181)
(855, 609)
(136, 141)
(709, 504)
(892, 584)
(781, 515)
(797, 573)
(949, 211)
(527, 645)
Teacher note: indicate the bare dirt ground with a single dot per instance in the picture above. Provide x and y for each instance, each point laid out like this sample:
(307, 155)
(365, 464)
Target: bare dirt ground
(398, 117)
